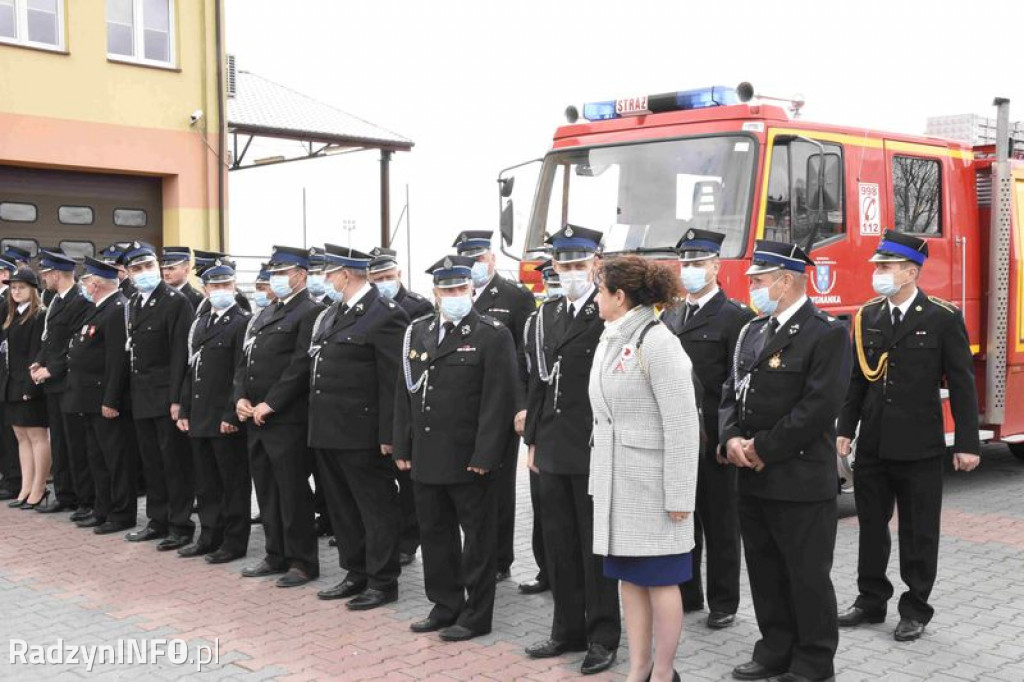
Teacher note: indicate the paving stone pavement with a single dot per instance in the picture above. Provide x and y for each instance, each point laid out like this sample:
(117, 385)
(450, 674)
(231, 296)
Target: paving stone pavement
(60, 583)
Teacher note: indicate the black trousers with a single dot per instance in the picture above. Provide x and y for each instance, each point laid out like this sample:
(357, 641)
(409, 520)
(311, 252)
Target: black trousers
(409, 537)
(319, 500)
(915, 489)
(60, 467)
(459, 576)
(362, 501)
(506, 492)
(10, 464)
(112, 467)
(789, 548)
(167, 467)
(280, 474)
(716, 526)
(223, 491)
(537, 539)
(586, 602)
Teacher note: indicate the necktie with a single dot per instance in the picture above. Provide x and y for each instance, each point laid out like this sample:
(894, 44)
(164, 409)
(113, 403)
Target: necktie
(773, 326)
(572, 310)
(691, 310)
(447, 328)
(897, 317)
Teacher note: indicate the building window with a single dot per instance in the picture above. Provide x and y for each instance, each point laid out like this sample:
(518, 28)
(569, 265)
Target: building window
(18, 212)
(75, 215)
(129, 217)
(141, 31)
(36, 23)
(917, 195)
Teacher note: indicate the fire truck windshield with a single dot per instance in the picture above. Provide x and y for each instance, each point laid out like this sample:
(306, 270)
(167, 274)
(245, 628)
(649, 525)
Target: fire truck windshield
(646, 195)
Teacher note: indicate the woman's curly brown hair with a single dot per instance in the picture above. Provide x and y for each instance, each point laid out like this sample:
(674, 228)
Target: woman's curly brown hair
(645, 282)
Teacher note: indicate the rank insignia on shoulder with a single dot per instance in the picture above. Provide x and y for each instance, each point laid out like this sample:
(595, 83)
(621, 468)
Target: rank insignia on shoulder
(412, 355)
(775, 361)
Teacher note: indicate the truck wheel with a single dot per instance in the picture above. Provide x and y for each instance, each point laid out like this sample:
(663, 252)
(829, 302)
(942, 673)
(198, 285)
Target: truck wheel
(1017, 450)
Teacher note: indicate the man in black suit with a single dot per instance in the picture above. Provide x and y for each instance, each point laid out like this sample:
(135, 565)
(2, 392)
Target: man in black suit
(271, 394)
(113, 256)
(510, 304)
(777, 421)
(356, 349)
(201, 260)
(174, 267)
(558, 427)
(10, 468)
(72, 482)
(220, 459)
(97, 392)
(158, 320)
(907, 345)
(708, 323)
(455, 400)
(386, 276)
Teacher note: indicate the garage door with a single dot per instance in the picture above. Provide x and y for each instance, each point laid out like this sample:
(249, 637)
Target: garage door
(79, 212)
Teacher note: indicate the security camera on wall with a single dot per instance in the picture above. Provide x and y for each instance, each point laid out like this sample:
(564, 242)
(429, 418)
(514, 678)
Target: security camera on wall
(195, 117)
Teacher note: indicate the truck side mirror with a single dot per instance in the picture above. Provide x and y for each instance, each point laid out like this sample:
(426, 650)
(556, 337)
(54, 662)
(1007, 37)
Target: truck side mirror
(506, 224)
(823, 184)
(505, 186)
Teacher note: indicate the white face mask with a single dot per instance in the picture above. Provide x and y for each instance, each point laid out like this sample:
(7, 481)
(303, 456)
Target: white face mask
(574, 283)
(885, 284)
(694, 278)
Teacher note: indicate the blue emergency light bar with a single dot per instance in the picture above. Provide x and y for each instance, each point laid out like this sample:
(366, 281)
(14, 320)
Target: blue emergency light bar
(701, 98)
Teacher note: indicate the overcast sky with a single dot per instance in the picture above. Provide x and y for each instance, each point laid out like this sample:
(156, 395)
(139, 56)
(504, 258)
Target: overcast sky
(482, 85)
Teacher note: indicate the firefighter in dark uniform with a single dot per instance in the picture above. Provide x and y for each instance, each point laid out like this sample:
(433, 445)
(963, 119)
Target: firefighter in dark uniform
(777, 421)
(317, 288)
(220, 458)
(454, 403)
(539, 583)
(356, 350)
(158, 322)
(17, 255)
(708, 323)
(174, 267)
(113, 256)
(386, 276)
(97, 391)
(272, 394)
(204, 259)
(558, 428)
(72, 481)
(907, 344)
(316, 283)
(510, 304)
(10, 467)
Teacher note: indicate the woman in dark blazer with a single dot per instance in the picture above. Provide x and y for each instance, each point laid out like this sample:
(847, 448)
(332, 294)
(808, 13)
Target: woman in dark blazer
(24, 402)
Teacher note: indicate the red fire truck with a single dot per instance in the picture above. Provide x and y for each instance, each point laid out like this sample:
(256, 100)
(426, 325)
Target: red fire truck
(645, 168)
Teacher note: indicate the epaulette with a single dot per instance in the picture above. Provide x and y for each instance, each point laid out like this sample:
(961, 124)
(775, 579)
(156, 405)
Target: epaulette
(944, 304)
(877, 299)
(491, 321)
(414, 296)
(387, 302)
(739, 304)
(826, 318)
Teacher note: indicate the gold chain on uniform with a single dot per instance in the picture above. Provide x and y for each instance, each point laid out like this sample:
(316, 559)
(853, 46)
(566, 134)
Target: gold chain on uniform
(883, 362)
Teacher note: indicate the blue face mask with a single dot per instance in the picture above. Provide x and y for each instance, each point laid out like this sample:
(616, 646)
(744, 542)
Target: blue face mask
(221, 299)
(480, 275)
(333, 293)
(388, 289)
(762, 300)
(884, 284)
(554, 290)
(86, 295)
(455, 308)
(694, 278)
(146, 281)
(261, 299)
(279, 285)
(317, 285)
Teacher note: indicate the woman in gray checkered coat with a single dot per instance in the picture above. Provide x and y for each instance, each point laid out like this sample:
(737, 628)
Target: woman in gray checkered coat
(643, 465)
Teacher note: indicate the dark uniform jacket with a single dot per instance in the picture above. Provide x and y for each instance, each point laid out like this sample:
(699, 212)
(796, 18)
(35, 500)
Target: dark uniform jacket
(460, 414)
(900, 415)
(194, 297)
(797, 384)
(127, 287)
(275, 367)
(709, 339)
(65, 318)
(97, 360)
(509, 304)
(413, 304)
(158, 338)
(356, 358)
(559, 420)
(215, 350)
(22, 341)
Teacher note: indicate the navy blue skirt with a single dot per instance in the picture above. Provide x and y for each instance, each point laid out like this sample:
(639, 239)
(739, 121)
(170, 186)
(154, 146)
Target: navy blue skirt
(650, 571)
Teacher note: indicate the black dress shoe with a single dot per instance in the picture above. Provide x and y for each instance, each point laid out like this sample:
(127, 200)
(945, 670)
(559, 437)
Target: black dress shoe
(550, 648)
(146, 534)
(793, 677)
(172, 542)
(718, 620)
(90, 521)
(428, 624)
(598, 659)
(458, 633)
(80, 514)
(404, 558)
(534, 586)
(855, 615)
(503, 574)
(752, 670)
(908, 630)
(108, 527)
(343, 590)
(195, 549)
(372, 598)
(223, 556)
(294, 578)
(262, 569)
(54, 507)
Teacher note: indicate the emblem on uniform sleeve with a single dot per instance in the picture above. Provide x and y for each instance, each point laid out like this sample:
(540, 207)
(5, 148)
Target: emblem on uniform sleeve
(775, 361)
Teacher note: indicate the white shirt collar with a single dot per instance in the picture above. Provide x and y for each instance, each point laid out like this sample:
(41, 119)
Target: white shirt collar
(111, 293)
(22, 307)
(358, 296)
(703, 299)
(578, 303)
(62, 294)
(905, 306)
(144, 296)
(286, 301)
(789, 312)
